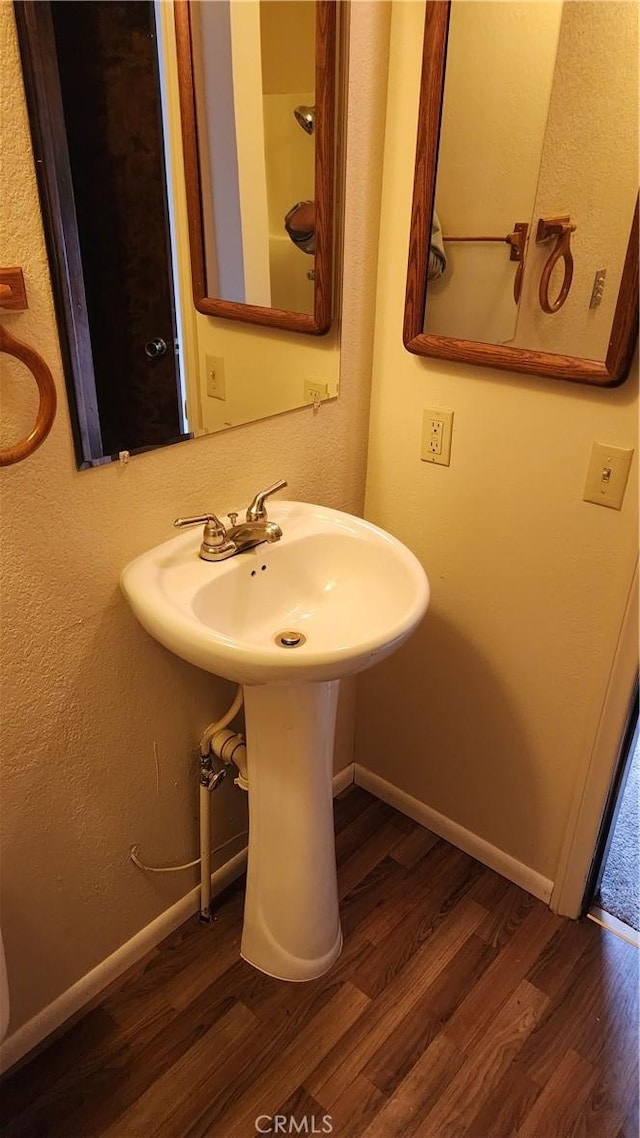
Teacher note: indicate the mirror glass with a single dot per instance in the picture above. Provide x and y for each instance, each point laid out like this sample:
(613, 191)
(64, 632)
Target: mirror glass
(254, 68)
(143, 368)
(257, 97)
(530, 244)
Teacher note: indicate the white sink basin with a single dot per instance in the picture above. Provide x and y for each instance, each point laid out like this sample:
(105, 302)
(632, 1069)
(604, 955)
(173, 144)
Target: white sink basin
(354, 593)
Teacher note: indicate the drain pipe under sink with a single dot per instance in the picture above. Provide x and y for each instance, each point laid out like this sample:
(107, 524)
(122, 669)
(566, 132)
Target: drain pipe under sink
(229, 747)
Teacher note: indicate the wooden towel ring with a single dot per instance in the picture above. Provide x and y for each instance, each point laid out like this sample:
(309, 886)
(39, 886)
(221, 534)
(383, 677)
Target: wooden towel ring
(560, 228)
(46, 387)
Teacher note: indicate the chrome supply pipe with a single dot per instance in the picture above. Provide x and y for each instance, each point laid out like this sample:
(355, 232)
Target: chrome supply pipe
(210, 780)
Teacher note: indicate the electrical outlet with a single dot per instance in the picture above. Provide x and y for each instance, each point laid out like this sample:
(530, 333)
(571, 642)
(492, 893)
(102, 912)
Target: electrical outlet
(314, 390)
(598, 288)
(437, 428)
(607, 475)
(434, 429)
(216, 386)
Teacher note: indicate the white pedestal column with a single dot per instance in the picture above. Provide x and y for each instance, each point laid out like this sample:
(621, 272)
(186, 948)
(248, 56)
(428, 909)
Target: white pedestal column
(291, 921)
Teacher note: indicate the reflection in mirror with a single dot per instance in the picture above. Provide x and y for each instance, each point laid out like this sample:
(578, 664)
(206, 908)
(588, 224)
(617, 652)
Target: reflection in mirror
(529, 259)
(254, 74)
(91, 79)
(257, 97)
(102, 97)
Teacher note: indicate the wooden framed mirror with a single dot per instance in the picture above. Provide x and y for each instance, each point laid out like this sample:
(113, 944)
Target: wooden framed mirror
(258, 110)
(523, 250)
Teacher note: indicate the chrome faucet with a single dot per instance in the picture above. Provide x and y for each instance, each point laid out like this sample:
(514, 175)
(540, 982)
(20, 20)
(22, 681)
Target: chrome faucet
(218, 542)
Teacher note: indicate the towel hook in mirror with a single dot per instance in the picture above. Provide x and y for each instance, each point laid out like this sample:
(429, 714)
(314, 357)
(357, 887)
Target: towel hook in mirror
(560, 228)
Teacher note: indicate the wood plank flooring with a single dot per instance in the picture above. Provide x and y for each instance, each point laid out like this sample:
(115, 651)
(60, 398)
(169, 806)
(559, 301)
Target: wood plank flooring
(460, 1008)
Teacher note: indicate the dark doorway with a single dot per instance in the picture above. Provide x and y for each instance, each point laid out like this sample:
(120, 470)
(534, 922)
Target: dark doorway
(108, 72)
(614, 890)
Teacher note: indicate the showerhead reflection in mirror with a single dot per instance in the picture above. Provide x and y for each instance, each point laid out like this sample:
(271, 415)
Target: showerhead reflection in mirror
(306, 118)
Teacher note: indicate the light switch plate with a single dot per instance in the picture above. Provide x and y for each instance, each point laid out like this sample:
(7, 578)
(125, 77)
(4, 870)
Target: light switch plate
(437, 428)
(607, 475)
(216, 386)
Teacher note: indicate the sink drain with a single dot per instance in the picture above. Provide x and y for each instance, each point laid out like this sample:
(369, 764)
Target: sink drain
(289, 639)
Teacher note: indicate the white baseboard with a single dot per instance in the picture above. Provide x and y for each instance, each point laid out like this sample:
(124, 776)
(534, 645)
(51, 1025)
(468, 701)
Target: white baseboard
(85, 990)
(451, 831)
(343, 779)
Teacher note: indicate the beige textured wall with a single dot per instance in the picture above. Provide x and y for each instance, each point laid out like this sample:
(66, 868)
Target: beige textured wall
(85, 691)
(592, 130)
(489, 712)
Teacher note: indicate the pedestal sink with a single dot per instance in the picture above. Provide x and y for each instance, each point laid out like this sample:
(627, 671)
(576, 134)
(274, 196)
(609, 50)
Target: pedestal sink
(286, 620)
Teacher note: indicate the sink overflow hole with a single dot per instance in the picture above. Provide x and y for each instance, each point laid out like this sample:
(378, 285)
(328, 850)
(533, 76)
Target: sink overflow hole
(289, 639)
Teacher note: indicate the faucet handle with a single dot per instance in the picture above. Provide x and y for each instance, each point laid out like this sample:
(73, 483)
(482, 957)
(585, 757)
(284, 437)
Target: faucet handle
(215, 535)
(199, 520)
(257, 510)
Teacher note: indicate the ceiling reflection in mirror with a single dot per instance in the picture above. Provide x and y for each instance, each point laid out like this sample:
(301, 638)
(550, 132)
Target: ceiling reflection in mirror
(537, 174)
(254, 78)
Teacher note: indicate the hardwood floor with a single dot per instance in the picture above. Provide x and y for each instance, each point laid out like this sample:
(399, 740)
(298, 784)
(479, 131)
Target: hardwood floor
(460, 1007)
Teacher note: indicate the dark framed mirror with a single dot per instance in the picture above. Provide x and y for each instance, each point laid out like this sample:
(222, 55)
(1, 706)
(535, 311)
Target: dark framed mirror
(142, 369)
(523, 250)
(258, 111)
(92, 83)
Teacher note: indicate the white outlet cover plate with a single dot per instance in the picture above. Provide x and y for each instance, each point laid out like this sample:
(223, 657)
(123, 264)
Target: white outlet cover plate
(429, 417)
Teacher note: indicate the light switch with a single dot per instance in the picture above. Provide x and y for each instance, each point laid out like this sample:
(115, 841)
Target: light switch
(607, 475)
(216, 386)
